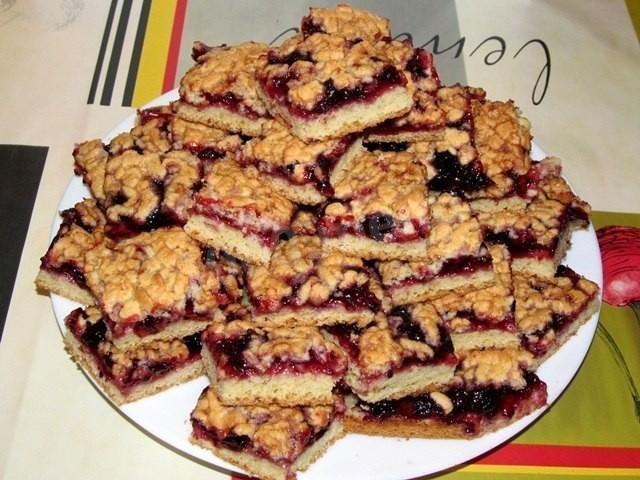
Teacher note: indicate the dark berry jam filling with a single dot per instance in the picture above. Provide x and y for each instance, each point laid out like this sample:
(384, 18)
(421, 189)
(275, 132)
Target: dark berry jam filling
(386, 146)
(91, 335)
(455, 178)
(229, 101)
(465, 265)
(153, 113)
(69, 270)
(420, 65)
(229, 355)
(471, 408)
(478, 324)
(208, 208)
(309, 27)
(334, 98)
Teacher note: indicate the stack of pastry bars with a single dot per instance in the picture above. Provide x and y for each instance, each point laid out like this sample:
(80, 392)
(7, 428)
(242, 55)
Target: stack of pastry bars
(340, 241)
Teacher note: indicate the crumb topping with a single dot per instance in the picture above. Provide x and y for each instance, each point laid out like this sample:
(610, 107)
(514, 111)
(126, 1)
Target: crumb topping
(276, 431)
(300, 268)
(539, 300)
(197, 137)
(91, 162)
(502, 137)
(131, 177)
(496, 368)
(241, 194)
(348, 22)
(280, 148)
(454, 232)
(381, 182)
(304, 223)
(182, 174)
(224, 71)
(153, 273)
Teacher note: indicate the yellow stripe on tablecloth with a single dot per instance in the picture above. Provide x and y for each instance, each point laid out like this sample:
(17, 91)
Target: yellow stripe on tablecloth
(634, 12)
(569, 471)
(154, 52)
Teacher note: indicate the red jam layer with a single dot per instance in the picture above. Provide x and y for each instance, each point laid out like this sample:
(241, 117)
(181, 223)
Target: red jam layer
(68, 270)
(141, 371)
(229, 101)
(377, 226)
(465, 265)
(334, 98)
(207, 207)
(148, 114)
(521, 244)
(455, 178)
(477, 324)
(228, 353)
(471, 408)
(353, 299)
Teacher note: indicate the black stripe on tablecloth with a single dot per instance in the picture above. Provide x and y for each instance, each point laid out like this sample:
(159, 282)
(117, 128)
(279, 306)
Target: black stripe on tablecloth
(21, 171)
(116, 52)
(101, 53)
(136, 54)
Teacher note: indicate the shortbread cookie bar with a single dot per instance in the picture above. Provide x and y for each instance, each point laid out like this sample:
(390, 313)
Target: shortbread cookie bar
(455, 259)
(298, 170)
(407, 353)
(549, 311)
(220, 90)
(482, 318)
(267, 441)
(157, 286)
(287, 366)
(499, 388)
(536, 231)
(205, 142)
(327, 86)
(62, 267)
(135, 373)
(305, 284)
(235, 211)
(380, 209)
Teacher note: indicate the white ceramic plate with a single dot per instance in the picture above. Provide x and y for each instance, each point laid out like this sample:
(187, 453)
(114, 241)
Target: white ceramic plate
(356, 457)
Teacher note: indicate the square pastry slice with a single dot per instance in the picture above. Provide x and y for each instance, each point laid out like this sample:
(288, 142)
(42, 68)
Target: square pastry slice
(157, 286)
(409, 352)
(287, 366)
(499, 388)
(62, 267)
(380, 209)
(351, 23)
(296, 169)
(327, 86)
(268, 441)
(220, 89)
(482, 318)
(205, 142)
(549, 311)
(305, 284)
(455, 256)
(237, 212)
(537, 232)
(150, 134)
(134, 373)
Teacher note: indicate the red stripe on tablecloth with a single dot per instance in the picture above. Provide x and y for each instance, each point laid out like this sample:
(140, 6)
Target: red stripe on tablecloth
(563, 456)
(174, 46)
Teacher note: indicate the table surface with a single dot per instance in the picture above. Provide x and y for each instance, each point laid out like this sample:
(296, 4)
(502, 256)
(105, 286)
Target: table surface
(72, 69)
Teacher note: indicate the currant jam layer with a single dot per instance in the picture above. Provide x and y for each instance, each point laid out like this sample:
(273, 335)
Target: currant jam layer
(230, 358)
(334, 98)
(70, 271)
(477, 324)
(377, 226)
(268, 236)
(455, 178)
(229, 101)
(464, 265)
(471, 408)
(141, 370)
(353, 299)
